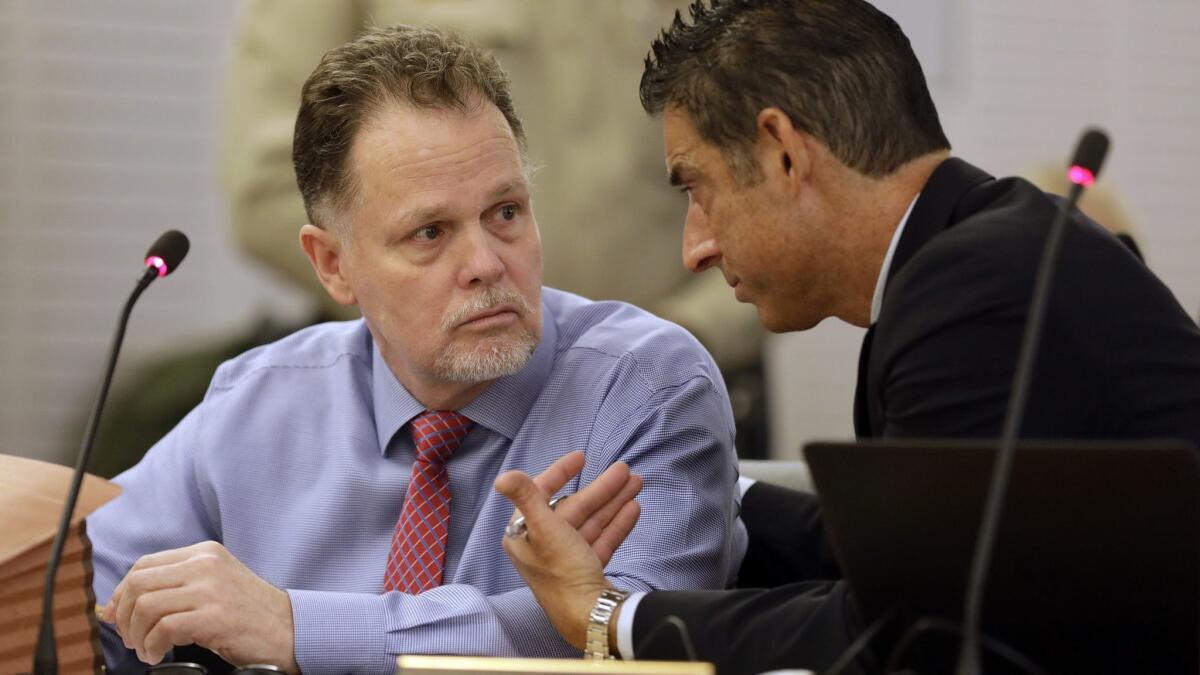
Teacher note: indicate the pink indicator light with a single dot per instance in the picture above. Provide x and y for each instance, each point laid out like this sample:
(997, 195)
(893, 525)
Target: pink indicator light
(1081, 176)
(157, 263)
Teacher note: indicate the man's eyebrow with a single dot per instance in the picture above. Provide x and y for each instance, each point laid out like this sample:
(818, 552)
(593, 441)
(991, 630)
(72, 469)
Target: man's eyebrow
(423, 215)
(680, 172)
(507, 188)
(429, 214)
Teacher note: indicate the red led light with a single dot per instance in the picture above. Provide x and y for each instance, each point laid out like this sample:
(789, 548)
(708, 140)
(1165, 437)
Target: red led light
(157, 263)
(1081, 176)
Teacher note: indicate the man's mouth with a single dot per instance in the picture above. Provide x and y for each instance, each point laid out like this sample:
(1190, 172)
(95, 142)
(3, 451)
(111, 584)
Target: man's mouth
(499, 315)
(739, 289)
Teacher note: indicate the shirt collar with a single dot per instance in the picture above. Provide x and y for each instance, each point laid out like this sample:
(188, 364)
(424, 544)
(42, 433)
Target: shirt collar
(502, 407)
(877, 298)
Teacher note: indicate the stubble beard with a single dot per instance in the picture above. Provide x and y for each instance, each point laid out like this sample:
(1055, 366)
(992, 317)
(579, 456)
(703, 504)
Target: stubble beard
(491, 356)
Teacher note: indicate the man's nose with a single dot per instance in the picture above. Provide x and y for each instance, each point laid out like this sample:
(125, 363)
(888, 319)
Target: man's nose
(483, 265)
(700, 250)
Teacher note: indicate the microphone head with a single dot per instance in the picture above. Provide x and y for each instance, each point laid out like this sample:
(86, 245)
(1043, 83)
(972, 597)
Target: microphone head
(1089, 157)
(166, 253)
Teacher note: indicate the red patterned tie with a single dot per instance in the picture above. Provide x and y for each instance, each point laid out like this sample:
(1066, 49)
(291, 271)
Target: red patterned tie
(419, 544)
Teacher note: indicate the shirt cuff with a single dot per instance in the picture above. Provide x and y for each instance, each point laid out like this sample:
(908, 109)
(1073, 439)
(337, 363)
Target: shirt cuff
(744, 484)
(625, 626)
(340, 633)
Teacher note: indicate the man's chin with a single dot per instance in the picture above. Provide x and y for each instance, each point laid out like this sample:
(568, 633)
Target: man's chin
(777, 321)
(487, 357)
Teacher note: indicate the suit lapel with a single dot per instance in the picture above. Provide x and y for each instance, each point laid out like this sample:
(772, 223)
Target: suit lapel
(862, 416)
(934, 210)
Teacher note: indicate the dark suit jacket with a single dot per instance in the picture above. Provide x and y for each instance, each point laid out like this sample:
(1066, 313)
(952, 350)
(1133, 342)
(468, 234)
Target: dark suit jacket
(1119, 358)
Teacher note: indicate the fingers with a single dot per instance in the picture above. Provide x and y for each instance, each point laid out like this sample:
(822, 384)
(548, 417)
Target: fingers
(138, 583)
(518, 488)
(202, 594)
(592, 499)
(599, 520)
(590, 510)
(150, 627)
(611, 538)
(151, 589)
(152, 560)
(562, 470)
(172, 630)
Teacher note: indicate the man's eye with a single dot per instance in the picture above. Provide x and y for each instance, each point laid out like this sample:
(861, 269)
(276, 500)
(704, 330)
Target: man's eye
(508, 211)
(428, 233)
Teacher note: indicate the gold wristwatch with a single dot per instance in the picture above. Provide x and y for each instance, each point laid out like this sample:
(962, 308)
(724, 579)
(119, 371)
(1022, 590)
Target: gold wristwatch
(598, 621)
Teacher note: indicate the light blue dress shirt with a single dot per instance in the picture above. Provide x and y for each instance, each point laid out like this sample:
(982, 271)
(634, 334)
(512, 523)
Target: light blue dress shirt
(299, 457)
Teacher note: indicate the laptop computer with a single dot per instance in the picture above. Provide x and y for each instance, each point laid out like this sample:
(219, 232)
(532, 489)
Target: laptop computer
(1097, 560)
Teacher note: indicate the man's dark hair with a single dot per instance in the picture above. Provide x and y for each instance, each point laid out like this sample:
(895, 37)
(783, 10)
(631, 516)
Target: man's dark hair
(840, 69)
(398, 64)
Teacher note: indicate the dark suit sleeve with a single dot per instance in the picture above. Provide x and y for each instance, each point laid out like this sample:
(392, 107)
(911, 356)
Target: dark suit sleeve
(787, 540)
(802, 625)
(797, 615)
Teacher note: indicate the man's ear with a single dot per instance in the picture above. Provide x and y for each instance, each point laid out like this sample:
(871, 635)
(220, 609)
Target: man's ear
(781, 147)
(325, 252)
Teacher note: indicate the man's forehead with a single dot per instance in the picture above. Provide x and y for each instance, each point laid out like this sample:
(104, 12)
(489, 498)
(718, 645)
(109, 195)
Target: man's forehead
(403, 144)
(682, 143)
(425, 131)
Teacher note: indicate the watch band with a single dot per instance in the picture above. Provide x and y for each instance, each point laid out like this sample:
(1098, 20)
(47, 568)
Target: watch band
(598, 620)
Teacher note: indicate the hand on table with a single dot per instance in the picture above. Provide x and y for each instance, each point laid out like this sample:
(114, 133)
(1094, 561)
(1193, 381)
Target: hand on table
(202, 594)
(563, 552)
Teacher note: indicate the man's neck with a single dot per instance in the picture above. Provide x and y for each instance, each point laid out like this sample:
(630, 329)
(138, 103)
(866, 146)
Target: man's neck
(875, 208)
(431, 392)
(448, 395)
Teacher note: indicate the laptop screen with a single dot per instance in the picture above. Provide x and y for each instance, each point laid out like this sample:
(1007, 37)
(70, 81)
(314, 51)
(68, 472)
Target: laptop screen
(1097, 560)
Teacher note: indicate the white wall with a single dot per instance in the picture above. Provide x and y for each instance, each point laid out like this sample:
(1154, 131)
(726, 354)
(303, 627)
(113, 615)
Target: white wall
(108, 129)
(1015, 81)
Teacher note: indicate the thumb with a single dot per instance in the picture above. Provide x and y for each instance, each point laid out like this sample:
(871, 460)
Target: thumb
(519, 488)
(525, 495)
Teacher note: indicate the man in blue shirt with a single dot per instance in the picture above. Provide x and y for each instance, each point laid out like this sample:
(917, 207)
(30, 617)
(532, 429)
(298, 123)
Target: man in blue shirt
(329, 505)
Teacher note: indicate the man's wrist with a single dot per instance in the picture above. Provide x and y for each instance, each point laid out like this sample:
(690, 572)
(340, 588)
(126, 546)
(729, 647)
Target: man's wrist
(600, 637)
(614, 640)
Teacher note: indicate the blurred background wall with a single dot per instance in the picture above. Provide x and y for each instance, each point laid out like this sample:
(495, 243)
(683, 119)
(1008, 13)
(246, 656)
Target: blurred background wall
(108, 136)
(109, 133)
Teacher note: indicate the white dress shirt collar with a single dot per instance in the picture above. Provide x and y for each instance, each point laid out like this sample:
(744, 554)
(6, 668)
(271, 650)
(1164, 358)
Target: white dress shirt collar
(877, 299)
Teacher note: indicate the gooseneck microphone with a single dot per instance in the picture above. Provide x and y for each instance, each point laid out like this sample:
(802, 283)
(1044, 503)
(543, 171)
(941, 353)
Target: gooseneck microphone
(162, 259)
(1085, 167)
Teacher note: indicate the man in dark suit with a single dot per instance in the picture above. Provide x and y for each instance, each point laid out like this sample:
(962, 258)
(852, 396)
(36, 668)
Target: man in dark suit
(821, 184)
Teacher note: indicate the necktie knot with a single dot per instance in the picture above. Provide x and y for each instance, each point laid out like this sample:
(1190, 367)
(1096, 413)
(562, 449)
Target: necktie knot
(438, 433)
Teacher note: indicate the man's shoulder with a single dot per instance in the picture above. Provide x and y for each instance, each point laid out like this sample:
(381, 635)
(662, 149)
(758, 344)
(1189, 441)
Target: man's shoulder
(314, 349)
(626, 336)
(1006, 213)
(984, 266)
(998, 239)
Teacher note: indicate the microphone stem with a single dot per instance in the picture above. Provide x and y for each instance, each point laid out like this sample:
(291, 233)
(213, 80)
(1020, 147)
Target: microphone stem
(969, 657)
(45, 659)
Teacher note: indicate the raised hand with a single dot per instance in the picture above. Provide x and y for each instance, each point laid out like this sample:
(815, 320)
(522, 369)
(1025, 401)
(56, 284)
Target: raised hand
(563, 552)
